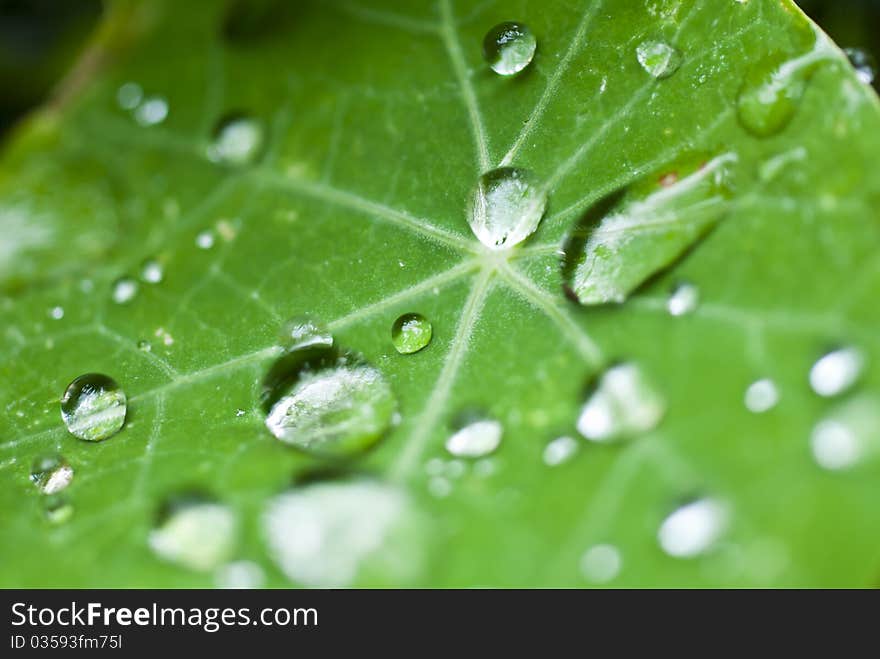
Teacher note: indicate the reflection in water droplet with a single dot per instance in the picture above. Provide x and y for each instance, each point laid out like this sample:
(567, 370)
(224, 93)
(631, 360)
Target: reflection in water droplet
(205, 239)
(57, 509)
(761, 396)
(240, 575)
(683, 299)
(129, 95)
(124, 290)
(151, 271)
(623, 403)
(509, 47)
(51, 473)
(560, 450)
(864, 64)
(337, 533)
(658, 58)
(837, 371)
(93, 407)
(601, 563)
(475, 439)
(410, 333)
(152, 111)
(693, 529)
(304, 333)
(194, 532)
(238, 140)
(848, 434)
(507, 207)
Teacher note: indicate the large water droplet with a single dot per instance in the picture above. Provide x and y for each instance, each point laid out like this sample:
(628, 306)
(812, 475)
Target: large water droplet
(93, 407)
(601, 563)
(51, 473)
(560, 450)
(622, 404)
(124, 290)
(238, 140)
(848, 434)
(864, 64)
(683, 299)
(761, 396)
(331, 534)
(509, 47)
(508, 205)
(693, 529)
(837, 371)
(658, 58)
(475, 439)
(410, 333)
(194, 532)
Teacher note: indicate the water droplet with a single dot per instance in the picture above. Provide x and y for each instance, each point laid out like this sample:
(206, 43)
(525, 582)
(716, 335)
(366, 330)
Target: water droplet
(560, 450)
(658, 58)
(51, 473)
(93, 407)
(848, 434)
(240, 575)
(837, 371)
(475, 439)
(439, 487)
(238, 140)
(194, 532)
(693, 529)
(205, 239)
(508, 205)
(152, 111)
(304, 333)
(601, 563)
(57, 509)
(683, 299)
(124, 290)
(509, 47)
(622, 404)
(145, 346)
(864, 64)
(129, 95)
(151, 271)
(56, 313)
(336, 533)
(761, 396)
(410, 333)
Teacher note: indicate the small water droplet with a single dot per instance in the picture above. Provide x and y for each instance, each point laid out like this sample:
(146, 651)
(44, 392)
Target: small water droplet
(151, 271)
(683, 299)
(304, 333)
(51, 473)
(410, 333)
(659, 59)
(507, 208)
(205, 239)
(864, 64)
(601, 563)
(509, 47)
(622, 404)
(124, 290)
(693, 529)
(238, 140)
(194, 532)
(93, 407)
(152, 111)
(761, 396)
(848, 434)
(57, 509)
(129, 95)
(240, 575)
(144, 346)
(337, 533)
(837, 371)
(56, 313)
(475, 438)
(560, 450)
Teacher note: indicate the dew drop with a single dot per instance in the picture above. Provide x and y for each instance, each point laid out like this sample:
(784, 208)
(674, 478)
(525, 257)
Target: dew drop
(240, 575)
(507, 208)
(129, 95)
(124, 290)
(560, 450)
(151, 271)
(337, 533)
(57, 509)
(56, 313)
(152, 111)
(601, 563)
(847, 435)
(475, 439)
(410, 333)
(509, 47)
(683, 299)
(51, 473)
(238, 140)
(693, 529)
(622, 404)
(864, 64)
(761, 396)
(837, 371)
(144, 346)
(194, 532)
(205, 239)
(93, 407)
(659, 59)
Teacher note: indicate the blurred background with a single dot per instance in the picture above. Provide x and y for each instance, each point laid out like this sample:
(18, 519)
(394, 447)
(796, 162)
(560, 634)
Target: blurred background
(40, 38)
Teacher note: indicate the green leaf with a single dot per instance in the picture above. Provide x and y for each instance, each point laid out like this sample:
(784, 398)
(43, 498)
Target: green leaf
(346, 197)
